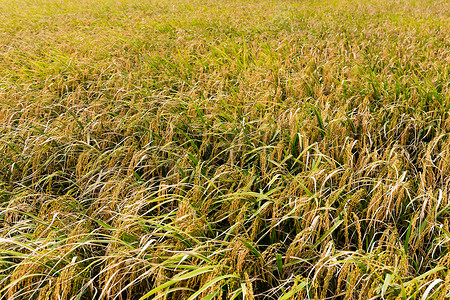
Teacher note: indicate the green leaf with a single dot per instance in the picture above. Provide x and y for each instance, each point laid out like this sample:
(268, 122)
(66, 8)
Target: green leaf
(387, 282)
(292, 292)
(336, 225)
(178, 279)
(279, 263)
(210, 283)
(251, 248)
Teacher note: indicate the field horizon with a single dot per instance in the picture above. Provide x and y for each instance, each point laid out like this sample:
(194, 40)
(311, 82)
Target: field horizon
(267, 149)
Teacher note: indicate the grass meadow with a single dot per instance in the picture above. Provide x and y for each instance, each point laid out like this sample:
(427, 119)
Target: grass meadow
(224, 149)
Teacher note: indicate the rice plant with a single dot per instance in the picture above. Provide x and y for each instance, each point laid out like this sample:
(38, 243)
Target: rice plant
(269, 149)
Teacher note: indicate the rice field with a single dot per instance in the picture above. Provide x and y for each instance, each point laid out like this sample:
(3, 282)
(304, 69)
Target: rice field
(226, 149)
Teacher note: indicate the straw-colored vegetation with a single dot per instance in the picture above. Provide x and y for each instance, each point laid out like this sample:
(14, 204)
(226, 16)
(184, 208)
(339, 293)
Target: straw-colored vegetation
(224, 149)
